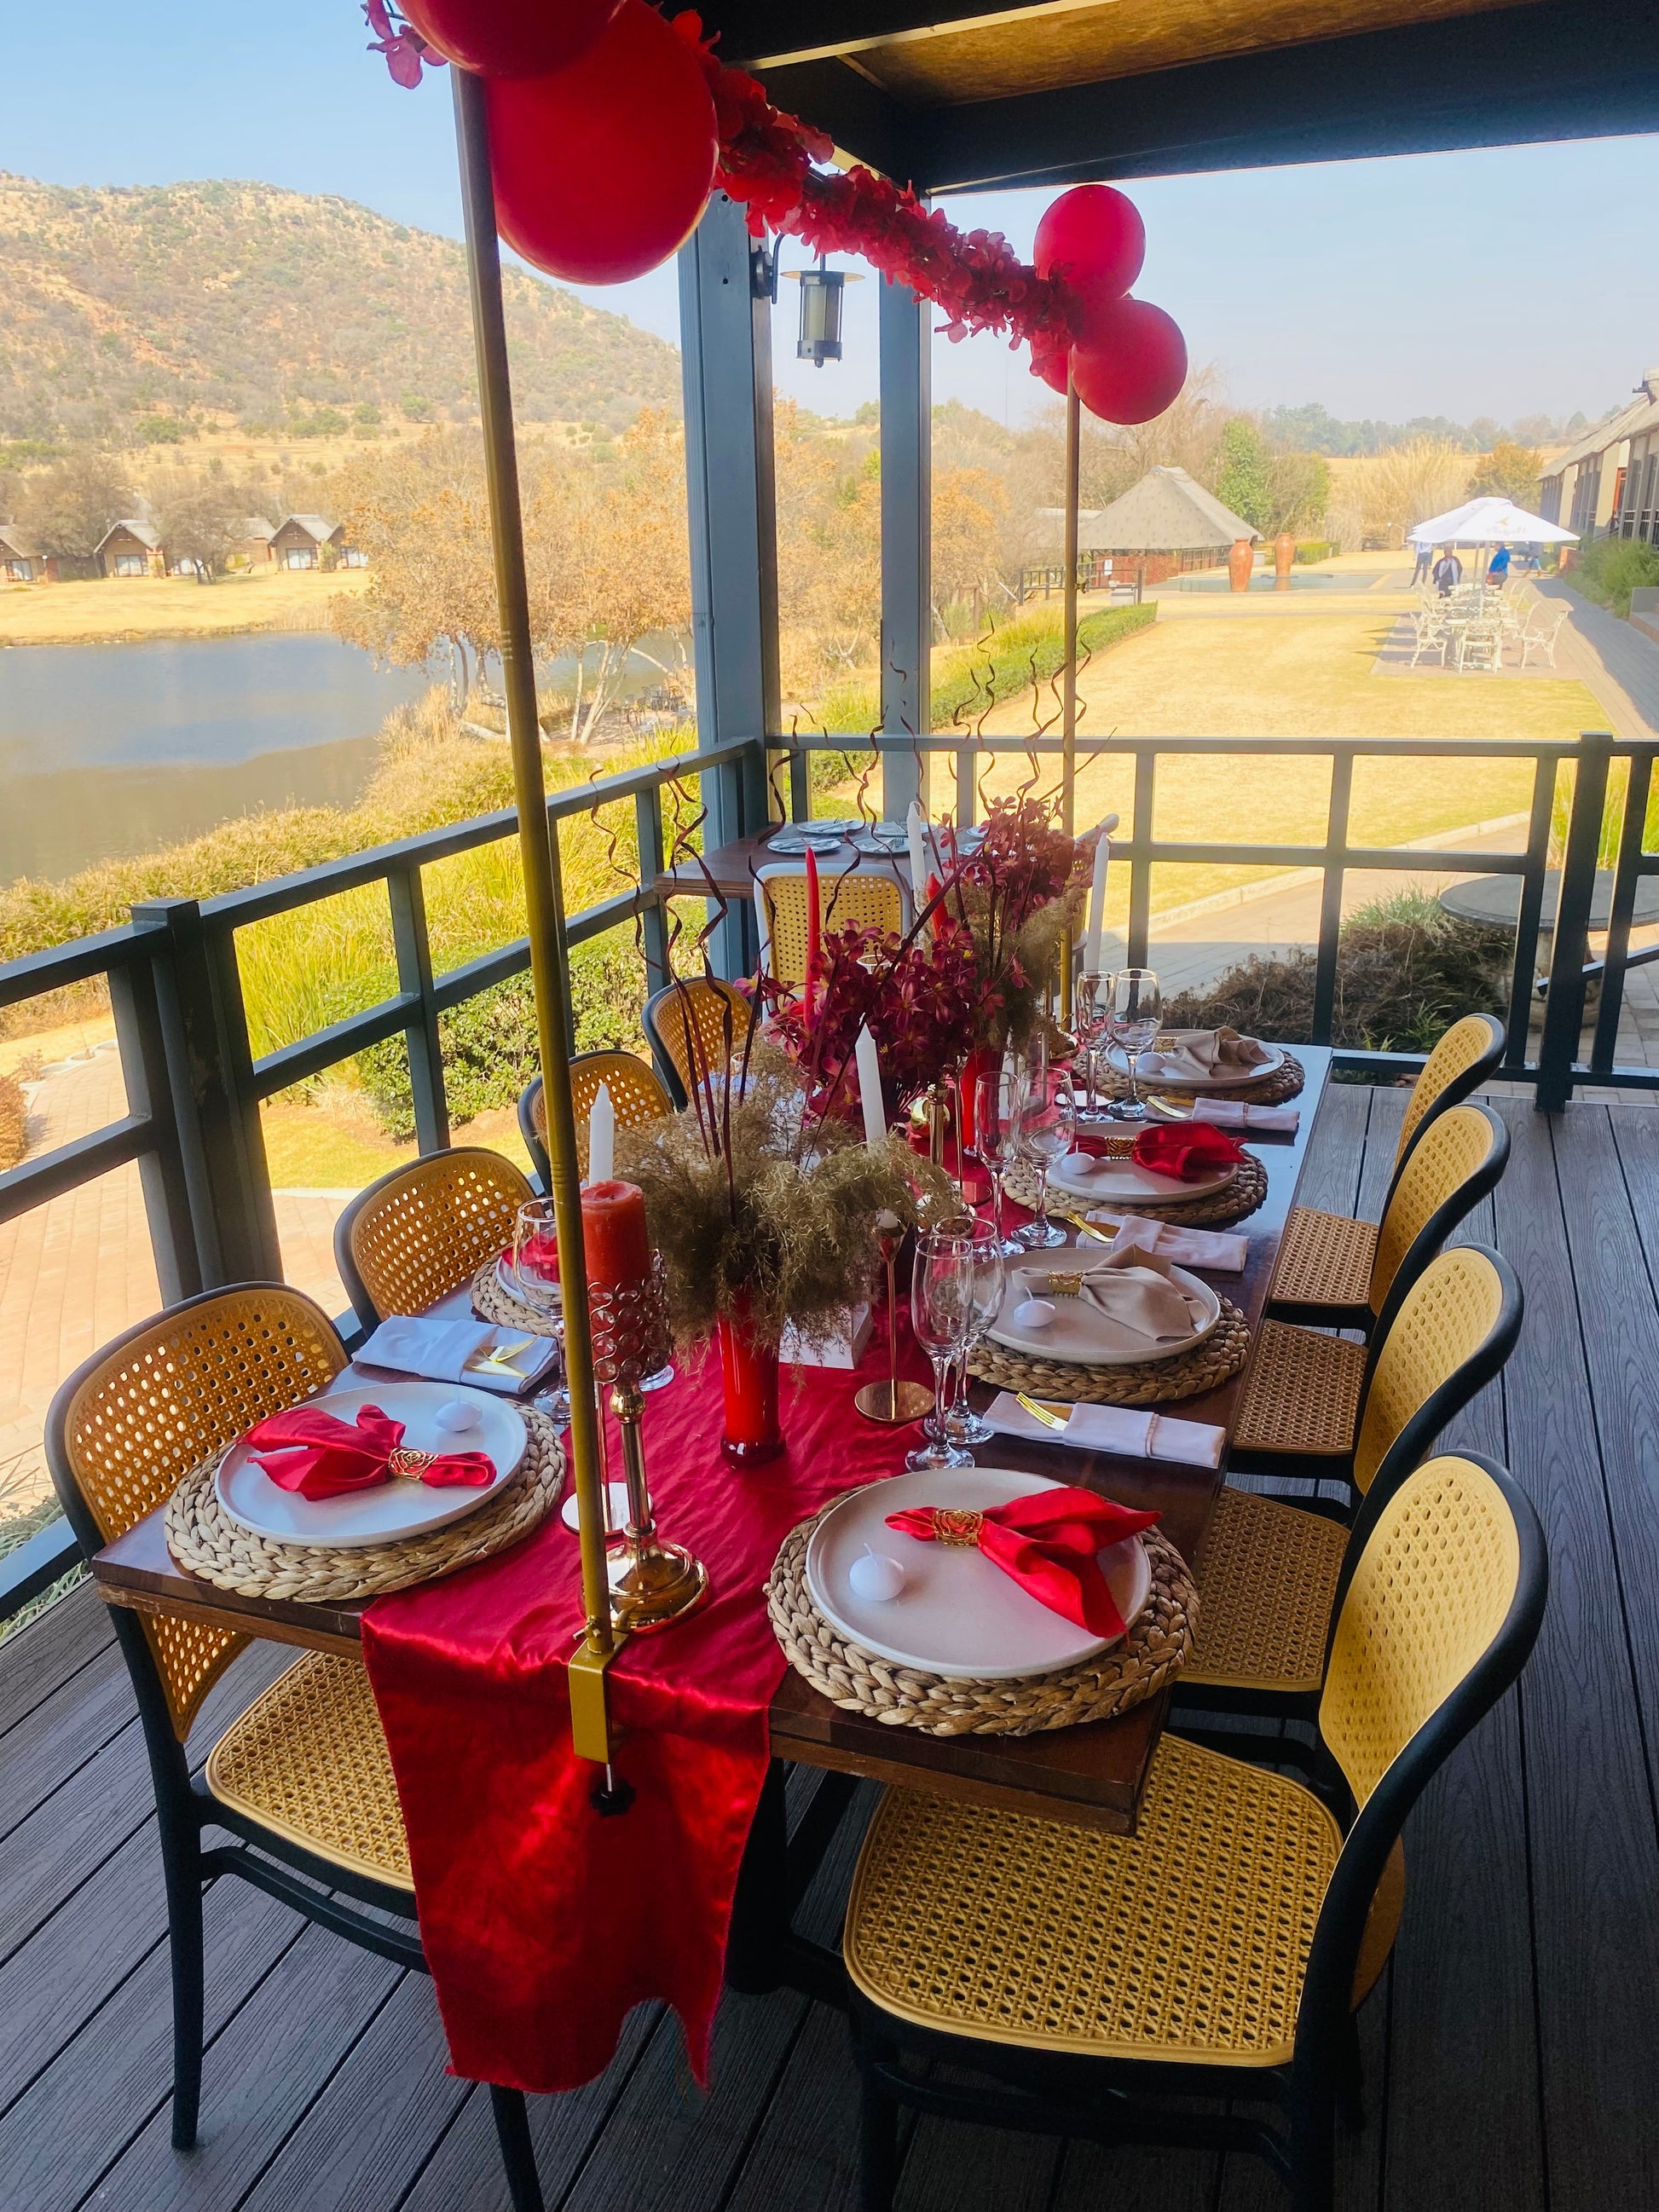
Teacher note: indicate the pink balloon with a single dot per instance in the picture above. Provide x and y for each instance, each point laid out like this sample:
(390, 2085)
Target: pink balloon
(510, 38)
(603, 169)
(1091, 235)
(1134, 365)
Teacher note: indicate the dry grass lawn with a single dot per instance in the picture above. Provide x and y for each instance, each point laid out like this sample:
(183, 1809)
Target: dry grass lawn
(116, 609)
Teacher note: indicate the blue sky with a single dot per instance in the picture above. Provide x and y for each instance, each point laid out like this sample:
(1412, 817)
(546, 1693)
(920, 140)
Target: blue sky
(1499, 284)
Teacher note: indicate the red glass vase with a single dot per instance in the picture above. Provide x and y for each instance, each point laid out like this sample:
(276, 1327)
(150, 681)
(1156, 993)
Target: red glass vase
(749, 1373)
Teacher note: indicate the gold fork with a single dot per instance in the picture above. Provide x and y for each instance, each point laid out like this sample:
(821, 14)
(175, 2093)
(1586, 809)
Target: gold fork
(1046, 1414)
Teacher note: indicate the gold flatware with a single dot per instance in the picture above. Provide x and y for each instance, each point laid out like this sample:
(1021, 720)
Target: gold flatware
(499, 1359)
(1046, 1414)
(1083, 1226)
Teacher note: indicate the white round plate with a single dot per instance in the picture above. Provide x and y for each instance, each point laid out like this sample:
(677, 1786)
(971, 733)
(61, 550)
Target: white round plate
(821, 836)
(509, 1282)
(1146, 1072)
(1080, 1331)
(958, 1614)
(391, 1510)
(1120, 1182)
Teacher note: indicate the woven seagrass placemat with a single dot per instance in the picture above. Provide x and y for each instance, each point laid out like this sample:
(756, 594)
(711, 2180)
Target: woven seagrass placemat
(206, 1541)
(492, 1301)
(1148, 1382)
(1273, 1089)
(1155, 1649)
(1234, 1201)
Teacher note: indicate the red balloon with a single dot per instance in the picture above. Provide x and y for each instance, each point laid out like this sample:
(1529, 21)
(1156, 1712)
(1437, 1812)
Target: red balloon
(1092, 234)
(602, 170)
(510, 38)
(1134, 366)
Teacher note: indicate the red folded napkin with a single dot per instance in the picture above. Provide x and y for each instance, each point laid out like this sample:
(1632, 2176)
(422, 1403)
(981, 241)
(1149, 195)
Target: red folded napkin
(320, 1455)
(1046, 1541)
(1186, 1150)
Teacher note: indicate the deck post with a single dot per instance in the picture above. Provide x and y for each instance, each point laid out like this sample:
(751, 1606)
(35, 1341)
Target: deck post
(1563, 1007)
(726, 335)
(907, 599)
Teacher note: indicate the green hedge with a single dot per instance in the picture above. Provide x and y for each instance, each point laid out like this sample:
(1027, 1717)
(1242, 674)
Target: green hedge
(1310, 549)
(1610, 568)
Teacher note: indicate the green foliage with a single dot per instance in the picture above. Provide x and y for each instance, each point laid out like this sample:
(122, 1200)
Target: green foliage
(1242, 483)
(1609, 570)
(1310, 549)
(1405, 971)
(1510, 472)
(163, 430)
(320, 423)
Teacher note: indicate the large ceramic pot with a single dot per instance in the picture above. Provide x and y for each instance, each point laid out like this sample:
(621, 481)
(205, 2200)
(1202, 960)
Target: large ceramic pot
(1240, 562)
(1284, 554)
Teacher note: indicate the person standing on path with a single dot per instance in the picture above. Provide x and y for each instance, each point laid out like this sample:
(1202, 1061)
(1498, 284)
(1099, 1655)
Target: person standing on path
(1498, 573)
(1448, 573)
(1420, 573)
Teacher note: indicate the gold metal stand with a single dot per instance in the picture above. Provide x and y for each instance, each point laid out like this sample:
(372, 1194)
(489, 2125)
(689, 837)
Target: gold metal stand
(892, 1403)
(651, 1581)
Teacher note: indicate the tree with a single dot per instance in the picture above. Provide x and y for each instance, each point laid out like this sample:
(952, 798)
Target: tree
(968, 506)
(70, 507)
(1298, 492)
(1511, 472)
(199, 521)
(1414, 483)
(1242, 482)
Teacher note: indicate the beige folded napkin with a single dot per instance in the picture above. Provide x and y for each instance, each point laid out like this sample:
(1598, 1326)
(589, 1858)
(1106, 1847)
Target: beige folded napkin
(1134, 1289)
(1118, 1429)
(1238, 1114)
(1186, 1247)
(1198, 1054)
(452, 1351)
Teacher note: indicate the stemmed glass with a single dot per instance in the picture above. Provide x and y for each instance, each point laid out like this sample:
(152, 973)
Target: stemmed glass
(1136, 1008)
(536, 1272)
(963, 1425)
(1045, 1135)
(1089, 1010)
(996, 1140)
(941, 1312)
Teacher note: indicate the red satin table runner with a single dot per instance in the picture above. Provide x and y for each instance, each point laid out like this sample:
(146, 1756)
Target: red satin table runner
(545, 1923)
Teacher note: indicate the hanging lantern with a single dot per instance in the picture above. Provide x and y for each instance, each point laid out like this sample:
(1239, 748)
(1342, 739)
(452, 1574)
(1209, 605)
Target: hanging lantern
(821, 300)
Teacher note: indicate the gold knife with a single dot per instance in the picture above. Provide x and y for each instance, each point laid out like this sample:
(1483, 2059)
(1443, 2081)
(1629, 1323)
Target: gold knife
(499, 1359)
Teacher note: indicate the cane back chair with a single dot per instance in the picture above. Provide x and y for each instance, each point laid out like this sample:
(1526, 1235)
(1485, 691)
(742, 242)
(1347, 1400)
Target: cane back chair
(1271, 1576)
(1327, 1259)
(636, 1092)
(425, 1229)
(687, 1024)
(1219, 1951)
(856, 898)
(302, 1779)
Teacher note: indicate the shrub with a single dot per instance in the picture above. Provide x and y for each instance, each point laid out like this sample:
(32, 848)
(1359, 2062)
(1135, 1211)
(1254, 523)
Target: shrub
(1610, 568)
(13, 1122)
(1310, 549)
(1405, 970)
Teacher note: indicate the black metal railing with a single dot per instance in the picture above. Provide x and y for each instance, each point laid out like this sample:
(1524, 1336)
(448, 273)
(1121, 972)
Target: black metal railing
(195, 1087)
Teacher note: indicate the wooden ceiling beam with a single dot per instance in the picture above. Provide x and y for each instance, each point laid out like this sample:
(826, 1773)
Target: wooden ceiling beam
(759, 34)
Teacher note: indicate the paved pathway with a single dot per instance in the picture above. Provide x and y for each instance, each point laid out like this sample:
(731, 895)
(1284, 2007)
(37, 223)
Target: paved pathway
(1620, 664)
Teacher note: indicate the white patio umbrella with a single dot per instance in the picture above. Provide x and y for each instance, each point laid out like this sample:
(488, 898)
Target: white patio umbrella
(1491, 521)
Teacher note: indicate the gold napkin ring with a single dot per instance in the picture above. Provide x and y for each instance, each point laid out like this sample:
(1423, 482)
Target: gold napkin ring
(1066, 1286)
(957, 1526)
(406, 1464)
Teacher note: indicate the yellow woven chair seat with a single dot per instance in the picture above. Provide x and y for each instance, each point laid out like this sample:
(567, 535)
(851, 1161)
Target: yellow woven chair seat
(1266, 1582)
(1325, 1259)
(1185, 1941)
(308, 1760)
(1301, 1392)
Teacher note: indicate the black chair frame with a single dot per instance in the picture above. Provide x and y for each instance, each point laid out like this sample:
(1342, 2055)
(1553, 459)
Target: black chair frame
(1101, 2100)
(319, 1888)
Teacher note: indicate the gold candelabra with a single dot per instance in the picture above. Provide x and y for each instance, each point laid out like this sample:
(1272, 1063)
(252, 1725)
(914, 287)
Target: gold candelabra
(653, 1582)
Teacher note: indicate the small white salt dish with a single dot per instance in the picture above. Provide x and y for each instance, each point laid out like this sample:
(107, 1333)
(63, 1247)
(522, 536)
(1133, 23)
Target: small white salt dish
(875, 1577)
(456, 1415)
(1033, 1313)
(617, 1508)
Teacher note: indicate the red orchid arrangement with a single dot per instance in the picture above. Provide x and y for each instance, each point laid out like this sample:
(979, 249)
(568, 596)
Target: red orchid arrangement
(404, 49)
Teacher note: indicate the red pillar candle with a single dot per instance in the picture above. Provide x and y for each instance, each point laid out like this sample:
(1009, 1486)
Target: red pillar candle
(615, 1239)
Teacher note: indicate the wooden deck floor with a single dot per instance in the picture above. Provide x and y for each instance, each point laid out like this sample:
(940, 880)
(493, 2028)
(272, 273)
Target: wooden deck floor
(1509, 2046)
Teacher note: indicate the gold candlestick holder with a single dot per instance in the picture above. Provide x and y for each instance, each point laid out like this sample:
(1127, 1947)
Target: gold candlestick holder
(653, 1582)
(892, 1403)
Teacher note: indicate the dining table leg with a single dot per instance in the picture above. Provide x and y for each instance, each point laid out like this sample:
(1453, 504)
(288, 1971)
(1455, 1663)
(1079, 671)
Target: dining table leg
(763, 1949)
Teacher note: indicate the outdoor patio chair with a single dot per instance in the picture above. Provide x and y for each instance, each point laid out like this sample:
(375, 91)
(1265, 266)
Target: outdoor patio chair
(1049, 1978)
(1480, 648)
(1431, 632)
(1327, 1261)
(636, 1090)
(1271, 1576)
(301, 1780)
(686, 1024)
(859, 898)
(1541, 633)
(425, 1229)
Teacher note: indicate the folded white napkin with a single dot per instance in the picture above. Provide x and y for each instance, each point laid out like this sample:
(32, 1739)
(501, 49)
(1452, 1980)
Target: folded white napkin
(1121, 1429)
(1186, 1247)
(1238, 1114)
(440, 1350)
(1133, 1288)
(1196, 1055)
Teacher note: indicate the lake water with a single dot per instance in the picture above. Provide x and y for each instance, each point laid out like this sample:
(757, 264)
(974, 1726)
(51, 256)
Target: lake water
(107, 750)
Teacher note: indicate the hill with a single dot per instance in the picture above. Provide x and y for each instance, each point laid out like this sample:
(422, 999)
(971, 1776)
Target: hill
(142, 312)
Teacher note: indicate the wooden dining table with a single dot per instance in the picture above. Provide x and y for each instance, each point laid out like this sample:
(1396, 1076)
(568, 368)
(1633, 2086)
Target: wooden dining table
(1093, 1775)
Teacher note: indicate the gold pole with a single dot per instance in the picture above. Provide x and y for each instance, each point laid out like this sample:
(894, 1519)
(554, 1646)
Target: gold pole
(544, 900)
(1068, 721)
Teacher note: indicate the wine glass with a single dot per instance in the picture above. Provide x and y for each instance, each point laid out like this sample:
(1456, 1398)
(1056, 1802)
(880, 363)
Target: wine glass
(536, 1272)
(1136, 1009)
(941, 1310)
(963, 1425)
(1089, 1010)
(1045, 1135)
(996, 1140)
